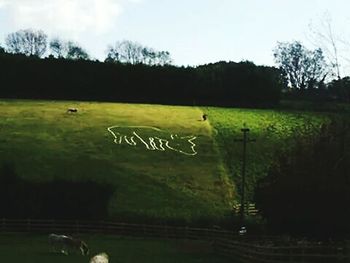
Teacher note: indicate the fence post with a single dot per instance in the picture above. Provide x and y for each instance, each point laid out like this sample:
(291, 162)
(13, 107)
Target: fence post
(208, 233)
(77, 226)
(53, 228)
(166, 232)
(302, 254)
(122, 229)
(144, 230)
(290, 253)
(3, 224)
(340, 253)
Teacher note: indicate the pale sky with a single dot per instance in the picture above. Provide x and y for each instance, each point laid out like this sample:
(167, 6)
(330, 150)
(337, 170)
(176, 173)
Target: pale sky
(193, 31)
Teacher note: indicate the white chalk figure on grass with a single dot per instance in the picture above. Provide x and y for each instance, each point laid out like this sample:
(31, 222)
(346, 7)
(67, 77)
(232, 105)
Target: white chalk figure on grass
(100, 258)
(159, 141)
(67, 244)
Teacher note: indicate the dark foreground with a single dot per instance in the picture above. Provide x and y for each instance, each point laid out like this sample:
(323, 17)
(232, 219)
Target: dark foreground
(25, 248)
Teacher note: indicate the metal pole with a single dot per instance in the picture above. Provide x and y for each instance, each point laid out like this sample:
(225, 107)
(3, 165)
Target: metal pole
(245, 131)
(245, 140)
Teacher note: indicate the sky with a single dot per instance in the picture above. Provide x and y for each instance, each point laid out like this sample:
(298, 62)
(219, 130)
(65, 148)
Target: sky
(193, 31)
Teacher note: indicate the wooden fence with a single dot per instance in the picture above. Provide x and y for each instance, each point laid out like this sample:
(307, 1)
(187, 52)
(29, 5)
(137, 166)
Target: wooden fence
(268, 253)
(246, 249)
(115, 228)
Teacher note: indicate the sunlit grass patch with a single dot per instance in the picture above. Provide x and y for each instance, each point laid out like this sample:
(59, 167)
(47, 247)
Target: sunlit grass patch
(44, 141)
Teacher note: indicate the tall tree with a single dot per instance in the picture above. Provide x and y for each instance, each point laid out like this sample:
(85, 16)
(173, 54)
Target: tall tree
(76, 52)
(29, 42)
(127, 51)
(302, 68)
(67, 49)
(163, 58)
(58, 48)
(2, 50)
(324, 35)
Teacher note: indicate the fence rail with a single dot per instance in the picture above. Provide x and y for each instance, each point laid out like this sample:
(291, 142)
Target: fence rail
(247, 249)
(116, 228)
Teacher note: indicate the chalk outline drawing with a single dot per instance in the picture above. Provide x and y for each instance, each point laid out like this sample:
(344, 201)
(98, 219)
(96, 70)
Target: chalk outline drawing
(152, 145)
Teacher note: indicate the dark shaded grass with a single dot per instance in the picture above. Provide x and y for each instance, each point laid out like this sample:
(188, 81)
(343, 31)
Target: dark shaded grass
(27, 248)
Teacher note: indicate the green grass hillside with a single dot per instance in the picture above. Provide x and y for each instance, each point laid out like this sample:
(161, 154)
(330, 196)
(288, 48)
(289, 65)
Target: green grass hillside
(163, 161)
(272, 132)
(184, 179)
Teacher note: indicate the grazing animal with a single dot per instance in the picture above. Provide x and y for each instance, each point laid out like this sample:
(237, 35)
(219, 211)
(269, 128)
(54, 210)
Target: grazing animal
(100, 258)
(72, 110)
(67, 244)
(204, 117)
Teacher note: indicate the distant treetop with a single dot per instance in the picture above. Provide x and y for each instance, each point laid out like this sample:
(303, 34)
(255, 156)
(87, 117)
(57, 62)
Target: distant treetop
(28, 42)
(134, 53)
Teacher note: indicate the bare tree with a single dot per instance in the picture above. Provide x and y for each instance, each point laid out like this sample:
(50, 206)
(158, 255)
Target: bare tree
(28, 42)
(126, 52)
(323, 35)
(164, 58)
(13, 42)
(148, 55)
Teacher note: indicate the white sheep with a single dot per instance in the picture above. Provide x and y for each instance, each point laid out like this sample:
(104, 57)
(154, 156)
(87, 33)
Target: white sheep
(99, 258)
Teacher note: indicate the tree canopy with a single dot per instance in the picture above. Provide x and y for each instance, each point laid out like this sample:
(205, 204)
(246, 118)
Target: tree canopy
(222, 84)
(340, 89)
(67, 49)
(134, 53)
(28, 42)
(302, 68)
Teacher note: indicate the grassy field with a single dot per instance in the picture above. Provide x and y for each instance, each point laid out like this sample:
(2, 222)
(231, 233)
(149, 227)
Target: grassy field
(183, 181)
(25, 248)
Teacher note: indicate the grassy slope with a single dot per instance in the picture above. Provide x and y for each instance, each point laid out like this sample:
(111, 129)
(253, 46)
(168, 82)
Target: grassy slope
(45, 142)
(22, 248)
(272, 130)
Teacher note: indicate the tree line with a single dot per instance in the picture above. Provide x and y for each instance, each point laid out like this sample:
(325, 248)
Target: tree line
(130, 73)
(303, 73)
(31, 42)
(220, 84)
(310, 74)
